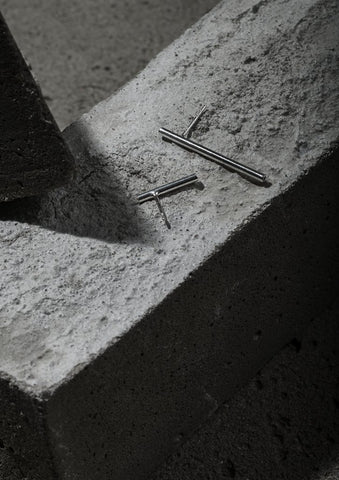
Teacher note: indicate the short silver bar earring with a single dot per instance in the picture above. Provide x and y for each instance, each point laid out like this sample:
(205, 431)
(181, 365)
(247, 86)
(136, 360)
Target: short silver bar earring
(184, 142)
(163, 189)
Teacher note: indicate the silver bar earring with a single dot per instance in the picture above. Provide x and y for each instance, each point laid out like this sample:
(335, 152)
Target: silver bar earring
(163, 189)
(208, 153)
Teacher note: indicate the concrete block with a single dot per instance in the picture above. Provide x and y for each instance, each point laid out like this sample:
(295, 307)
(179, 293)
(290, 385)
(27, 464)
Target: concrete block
(283, 424)
(33, 155)
(119, 337)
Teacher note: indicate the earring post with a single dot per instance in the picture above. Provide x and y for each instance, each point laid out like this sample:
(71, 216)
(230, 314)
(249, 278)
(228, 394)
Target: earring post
(162, 211)
(194, 121)
(162, 190)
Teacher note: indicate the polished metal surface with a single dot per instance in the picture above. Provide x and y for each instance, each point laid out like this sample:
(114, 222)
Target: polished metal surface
(194, 121)
(163, 189)
(162, 211)
(168, 187)
(211, 155)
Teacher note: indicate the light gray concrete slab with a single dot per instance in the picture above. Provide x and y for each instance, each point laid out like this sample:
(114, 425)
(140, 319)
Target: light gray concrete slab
(128, 335)
(83, 286)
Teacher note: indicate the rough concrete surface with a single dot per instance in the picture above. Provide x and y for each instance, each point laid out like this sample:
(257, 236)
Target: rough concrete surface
(103, 303)
(33, 155)
(284, 425)
(83, 50)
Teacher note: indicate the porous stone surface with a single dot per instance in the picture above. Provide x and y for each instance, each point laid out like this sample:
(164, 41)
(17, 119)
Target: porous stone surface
(128, 335)
(33, 155)
(95, 254)
(83, 50)
(283, 425)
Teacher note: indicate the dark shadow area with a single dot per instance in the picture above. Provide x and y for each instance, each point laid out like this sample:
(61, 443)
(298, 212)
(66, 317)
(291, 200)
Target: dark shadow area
(95, 204)
(283, 425)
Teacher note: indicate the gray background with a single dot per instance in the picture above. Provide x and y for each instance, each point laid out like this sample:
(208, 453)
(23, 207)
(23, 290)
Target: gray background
(81, 51)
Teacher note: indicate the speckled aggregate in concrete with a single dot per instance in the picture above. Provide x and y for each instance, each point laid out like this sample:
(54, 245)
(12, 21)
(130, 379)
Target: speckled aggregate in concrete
(81, 51)
(82, 287)
(283, 425)
(90, 264)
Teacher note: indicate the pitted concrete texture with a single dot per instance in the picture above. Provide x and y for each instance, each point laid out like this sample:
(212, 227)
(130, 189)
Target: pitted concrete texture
(90, 287)
(83, 50)
(123, 335)
(284, 425)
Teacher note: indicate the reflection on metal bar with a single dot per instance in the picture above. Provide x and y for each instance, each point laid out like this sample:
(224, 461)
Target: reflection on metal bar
(211, 155)
(194, 122)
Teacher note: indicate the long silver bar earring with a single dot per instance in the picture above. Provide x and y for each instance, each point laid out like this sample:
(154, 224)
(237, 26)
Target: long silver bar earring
(205, 152)
(163, 189)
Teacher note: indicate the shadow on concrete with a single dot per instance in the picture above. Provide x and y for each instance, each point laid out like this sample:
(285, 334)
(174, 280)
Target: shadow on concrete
(95, 204)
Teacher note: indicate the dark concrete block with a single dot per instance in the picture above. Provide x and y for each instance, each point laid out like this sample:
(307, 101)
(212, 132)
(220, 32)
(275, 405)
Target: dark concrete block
(283, 425)
(33, 155)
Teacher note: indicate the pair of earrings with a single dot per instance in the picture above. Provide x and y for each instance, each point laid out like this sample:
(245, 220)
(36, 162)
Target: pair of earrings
(184, 142)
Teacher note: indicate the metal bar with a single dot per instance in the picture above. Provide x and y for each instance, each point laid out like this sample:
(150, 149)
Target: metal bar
(194, 121)
(168, 187)
(162, 211)
(211, 155)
